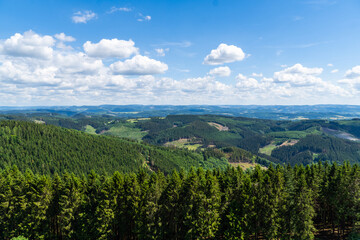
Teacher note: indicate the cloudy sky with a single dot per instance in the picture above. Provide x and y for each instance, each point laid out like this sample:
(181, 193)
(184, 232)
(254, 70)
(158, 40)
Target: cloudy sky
(179, 52)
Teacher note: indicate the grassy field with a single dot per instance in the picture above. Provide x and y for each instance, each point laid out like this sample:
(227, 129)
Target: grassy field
(125, 131)
(267, 149)
(184, 143)
(135, 120)
(90, 129)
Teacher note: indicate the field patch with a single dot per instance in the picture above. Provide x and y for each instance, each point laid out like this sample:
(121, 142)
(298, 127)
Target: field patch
(135, 120)
(276, 144)
(90, 129)
(187, 143)
(267, 149)
(125, 132)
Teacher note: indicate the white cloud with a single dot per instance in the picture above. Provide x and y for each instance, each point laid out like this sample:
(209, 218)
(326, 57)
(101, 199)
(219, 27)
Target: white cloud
(120, 9)
(353, 73)
(28, 44)
(62, 37)
(335, 71)
(352, 78)
(257, 74)
(77, 63)
(161, 51)
(245, 83)
(220, 71)
(53, 75)
(63, 46)
(298, 75)
(330, 65)
(139, 65)
(224, 54)
(108, 48)
(144, 18)
(83, 16)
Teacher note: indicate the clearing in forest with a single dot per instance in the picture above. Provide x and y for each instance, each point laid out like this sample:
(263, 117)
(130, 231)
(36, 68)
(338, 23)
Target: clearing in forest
(188, 143)
(218, 126)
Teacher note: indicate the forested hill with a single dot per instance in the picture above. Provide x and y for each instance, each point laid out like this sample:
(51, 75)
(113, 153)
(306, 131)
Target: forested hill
(294, 142)
(48, 149)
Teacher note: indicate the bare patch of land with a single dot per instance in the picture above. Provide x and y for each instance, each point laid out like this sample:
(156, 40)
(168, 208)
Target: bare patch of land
(218, 126)
(289, 142)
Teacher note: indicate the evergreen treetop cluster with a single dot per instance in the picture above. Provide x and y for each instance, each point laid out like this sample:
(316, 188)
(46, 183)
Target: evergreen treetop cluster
(275, 203)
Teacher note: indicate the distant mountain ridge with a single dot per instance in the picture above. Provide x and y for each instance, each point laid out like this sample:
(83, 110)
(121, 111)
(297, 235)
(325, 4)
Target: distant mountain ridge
(291, 112)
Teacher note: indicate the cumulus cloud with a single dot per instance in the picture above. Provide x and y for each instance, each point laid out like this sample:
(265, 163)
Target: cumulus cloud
(64, 38)
(21, 73)
(353, 73)
(83, 16)
(298, 75)
(28, 44)
(335, 71)
(108, 48)
(352, 78)
(43, 74)
(77, 63)
(330, 65)
(245, 83)
(220, 71)
(224, 54)
(257, 74)
(139, 65)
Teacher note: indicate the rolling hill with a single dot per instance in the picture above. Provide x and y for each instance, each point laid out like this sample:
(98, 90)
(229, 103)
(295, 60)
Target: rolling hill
(277, 141)
(48, 149)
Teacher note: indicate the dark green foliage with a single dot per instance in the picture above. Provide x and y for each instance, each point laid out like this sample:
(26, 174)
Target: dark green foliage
(48, 149)
(327, 149)
(277, 203)
(319, 140)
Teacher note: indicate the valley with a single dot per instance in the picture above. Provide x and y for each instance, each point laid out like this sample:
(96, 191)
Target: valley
(267, 141)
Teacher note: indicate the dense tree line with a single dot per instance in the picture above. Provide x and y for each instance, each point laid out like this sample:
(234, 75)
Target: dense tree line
(325, 148)
(50, 149)
(277, 203)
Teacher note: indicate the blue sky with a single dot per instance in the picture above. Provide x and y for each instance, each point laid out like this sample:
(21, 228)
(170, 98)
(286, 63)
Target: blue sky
(179, 52)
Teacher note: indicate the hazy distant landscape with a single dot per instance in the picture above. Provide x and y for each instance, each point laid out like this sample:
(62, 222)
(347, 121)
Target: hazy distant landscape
(276, 112)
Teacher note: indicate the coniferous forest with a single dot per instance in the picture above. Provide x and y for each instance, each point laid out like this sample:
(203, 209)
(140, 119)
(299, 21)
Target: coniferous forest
(277, 203)
(58, 183)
